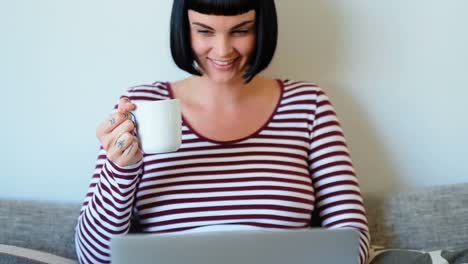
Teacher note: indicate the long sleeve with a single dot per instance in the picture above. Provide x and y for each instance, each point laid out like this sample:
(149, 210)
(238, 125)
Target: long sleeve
(338, 196)
(107, 208)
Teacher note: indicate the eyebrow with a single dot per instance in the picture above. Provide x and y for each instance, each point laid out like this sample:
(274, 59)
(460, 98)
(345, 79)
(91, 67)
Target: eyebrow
(235, 27)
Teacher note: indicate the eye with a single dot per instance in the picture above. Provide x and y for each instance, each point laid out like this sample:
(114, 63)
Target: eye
(204, 32)
(240, 32)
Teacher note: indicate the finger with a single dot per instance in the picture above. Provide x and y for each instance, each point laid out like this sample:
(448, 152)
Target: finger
(125, 105)
(131, 150)
(129, 106)
(126, 126)
(131, 155)
(122, 102)
(123, 142)
(108, 139)
(111, 123)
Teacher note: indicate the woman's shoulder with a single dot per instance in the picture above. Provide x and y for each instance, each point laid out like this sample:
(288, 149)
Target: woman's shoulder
(300, 86)
(158, 90)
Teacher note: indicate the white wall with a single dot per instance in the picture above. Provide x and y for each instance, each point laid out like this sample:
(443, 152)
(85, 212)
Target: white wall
(395, 71)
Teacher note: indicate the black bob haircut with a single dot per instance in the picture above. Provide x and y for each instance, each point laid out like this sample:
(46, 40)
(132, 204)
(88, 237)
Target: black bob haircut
(266, 31)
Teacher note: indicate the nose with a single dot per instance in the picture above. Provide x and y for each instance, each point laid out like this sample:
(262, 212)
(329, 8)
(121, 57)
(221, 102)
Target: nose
(223, 46)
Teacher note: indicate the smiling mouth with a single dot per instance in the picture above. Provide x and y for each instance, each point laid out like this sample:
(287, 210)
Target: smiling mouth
(223, 63)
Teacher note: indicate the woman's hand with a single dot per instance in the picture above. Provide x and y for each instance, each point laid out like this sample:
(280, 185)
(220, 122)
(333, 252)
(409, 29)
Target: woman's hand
(117, 138)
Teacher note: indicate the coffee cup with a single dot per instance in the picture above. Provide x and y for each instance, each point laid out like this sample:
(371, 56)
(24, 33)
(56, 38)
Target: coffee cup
(158, 125)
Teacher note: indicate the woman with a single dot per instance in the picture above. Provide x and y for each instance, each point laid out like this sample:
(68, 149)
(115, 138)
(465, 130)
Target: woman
(257, 153)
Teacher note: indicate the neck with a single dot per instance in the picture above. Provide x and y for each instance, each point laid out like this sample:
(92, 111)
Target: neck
(219, 96)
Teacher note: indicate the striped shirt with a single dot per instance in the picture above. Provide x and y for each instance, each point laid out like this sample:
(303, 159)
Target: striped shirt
(296, 165)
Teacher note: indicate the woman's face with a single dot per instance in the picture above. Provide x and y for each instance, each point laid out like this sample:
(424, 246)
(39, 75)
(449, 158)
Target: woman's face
(222, 44)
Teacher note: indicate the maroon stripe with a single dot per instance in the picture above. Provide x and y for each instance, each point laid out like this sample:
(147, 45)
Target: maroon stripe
(334, 184)
(111, 204)
(293, 129)
(262, 136)
(323, 114)
(328, 145)
(224, 217)
(298, 102)
(342, 202)
(226, 207)
(144, 98)
(106, 177)
(231, 163)
(103, 218)
(225, 198)
(264, 225)
(152, 92)
(226, 189)
(224, 155)
(90, 243)
(334, 154)
(343, 212)
(331, 164)
(327, 124)
(290, 120)
(333, 174)
(122, 170)
(86, 253)
(297, 138)
(290, 87)
(349, 220)
(320, 198)
(216, 181)
(244, 145)
(309, 92)
(119, 190)
(326, 135)
(220, 172)
(87, 223)
(296, 111)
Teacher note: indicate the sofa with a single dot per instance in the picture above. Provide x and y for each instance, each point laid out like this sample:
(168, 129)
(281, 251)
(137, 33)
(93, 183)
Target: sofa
(433, 219)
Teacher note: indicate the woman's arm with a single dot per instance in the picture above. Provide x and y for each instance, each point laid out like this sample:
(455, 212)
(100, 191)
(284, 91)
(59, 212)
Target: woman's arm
(338, 196)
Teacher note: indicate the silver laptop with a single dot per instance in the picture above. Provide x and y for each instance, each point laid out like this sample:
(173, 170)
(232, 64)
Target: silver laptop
(239, 247)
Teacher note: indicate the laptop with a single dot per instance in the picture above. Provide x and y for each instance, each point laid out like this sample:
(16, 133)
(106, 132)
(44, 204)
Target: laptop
(312, 245)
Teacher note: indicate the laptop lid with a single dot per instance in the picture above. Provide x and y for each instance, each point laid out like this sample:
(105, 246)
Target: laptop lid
(313, 245)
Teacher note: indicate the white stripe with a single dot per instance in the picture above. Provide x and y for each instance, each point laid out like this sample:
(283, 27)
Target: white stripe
(290, 116)
(266, 212)
(237, 193)
(299, 90)
(240, 149)
(203, 223)
(288, 125)
(208, 169)
(331, 169)
(341, 207)
(245, 158)
(330, 149)
(338, 178)
(225, 185)
(299, 98)
(157, 181)
(340, 217)
(328, 160)
(219, 203)
(83, 234)
(309, 107)
(344, 187)
(285, 133)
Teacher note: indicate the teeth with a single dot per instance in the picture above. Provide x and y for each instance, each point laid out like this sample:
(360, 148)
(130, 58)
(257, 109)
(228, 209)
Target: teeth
(223, 63)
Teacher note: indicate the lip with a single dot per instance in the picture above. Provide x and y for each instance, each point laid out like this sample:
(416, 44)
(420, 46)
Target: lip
(223, 67)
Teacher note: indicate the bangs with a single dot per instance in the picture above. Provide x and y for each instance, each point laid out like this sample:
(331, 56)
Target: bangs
(222, 7)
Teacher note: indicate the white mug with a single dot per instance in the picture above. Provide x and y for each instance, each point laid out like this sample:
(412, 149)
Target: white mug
(159, 125)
